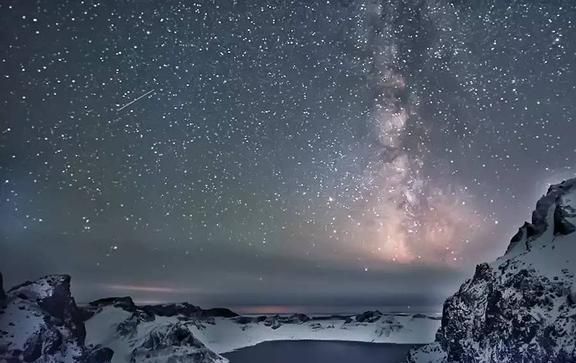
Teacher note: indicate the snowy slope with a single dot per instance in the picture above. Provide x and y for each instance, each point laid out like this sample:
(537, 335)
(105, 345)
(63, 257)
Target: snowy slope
(138, 337)
(123, 331)
(40, 322)
(230, 334)
(521, 307)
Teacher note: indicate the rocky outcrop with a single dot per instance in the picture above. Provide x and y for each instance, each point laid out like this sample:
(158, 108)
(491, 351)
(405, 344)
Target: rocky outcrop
(520, 308)
(125, 303)
(151, 333)
(98, 354)
(96, 306)
(368, 317)
(40, 322)
(219, 312)
(184, 310)
(276, 321)
(553, 216)
(173, 343)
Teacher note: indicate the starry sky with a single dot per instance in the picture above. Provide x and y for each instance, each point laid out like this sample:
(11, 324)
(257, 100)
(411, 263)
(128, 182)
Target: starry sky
(278, 155)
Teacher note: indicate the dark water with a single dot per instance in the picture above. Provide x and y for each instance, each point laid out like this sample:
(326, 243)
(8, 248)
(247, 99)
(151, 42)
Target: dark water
(312, 351)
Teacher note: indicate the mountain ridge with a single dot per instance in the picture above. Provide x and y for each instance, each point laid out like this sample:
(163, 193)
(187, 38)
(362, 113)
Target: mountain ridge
(116, 329)
(521, 307)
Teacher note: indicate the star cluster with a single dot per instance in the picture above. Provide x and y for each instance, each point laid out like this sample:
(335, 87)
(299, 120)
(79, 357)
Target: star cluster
(238, 151)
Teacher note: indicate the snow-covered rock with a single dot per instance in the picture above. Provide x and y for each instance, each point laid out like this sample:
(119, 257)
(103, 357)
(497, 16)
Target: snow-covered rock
(150, 333)
(520, 308)
(128, 330)
(40, 322)
(173, 342)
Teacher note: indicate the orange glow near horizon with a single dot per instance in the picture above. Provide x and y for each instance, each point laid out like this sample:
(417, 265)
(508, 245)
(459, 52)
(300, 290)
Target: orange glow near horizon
(147, 288)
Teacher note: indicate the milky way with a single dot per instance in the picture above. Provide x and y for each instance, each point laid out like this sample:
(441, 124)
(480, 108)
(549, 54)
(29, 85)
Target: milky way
(278, 153)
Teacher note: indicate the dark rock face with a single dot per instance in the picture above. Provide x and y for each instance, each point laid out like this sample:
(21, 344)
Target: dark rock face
(168, 310)
(297, 319)
(149, 312)
(249, 319)
(125, 303)
(275, 321)
(499, 312)
(220, 313)
(40, 322)
(94, 307)
(187, 310)
(2, 293)
(552, 203)
(520, 308)
(58, 331)
(561, 224)
(368, 317)
(99, 355)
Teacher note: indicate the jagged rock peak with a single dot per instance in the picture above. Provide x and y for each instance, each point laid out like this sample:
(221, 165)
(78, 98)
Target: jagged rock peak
(124, 302)
(44, 286)
(369, 316)
(173, 343)
(52, 294)
(555, 214)
(521, 307)
(40, 322)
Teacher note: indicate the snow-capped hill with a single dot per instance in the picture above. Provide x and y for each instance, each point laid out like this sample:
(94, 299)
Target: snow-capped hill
(40, 322)
(522, 307)
(130, 332)
(149, 334)
(173, 342)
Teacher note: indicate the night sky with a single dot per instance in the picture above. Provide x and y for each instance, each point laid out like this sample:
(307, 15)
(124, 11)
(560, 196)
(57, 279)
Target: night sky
(278, 155)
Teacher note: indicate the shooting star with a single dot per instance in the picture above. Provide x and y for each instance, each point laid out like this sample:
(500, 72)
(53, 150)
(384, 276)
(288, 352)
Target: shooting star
(135, 100)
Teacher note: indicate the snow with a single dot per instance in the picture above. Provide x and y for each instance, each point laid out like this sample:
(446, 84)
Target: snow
(101, 329)
(25, 323)
(431, 353)
(21, 324)
(222, 335)
(227, 335)
(41, 288)
(549, 254)
(536, 278)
